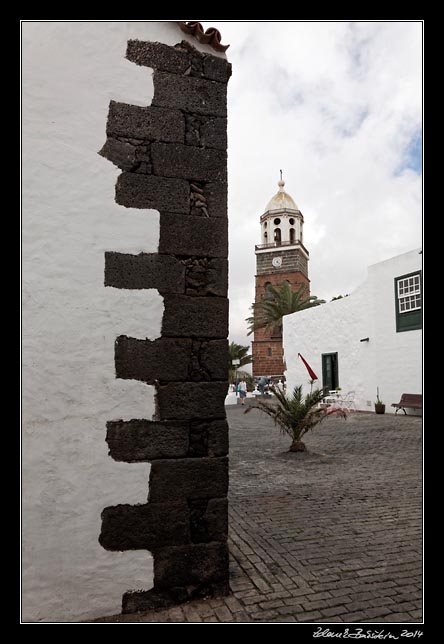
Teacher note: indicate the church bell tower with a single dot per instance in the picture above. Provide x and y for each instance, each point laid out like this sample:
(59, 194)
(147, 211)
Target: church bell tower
(280, 256)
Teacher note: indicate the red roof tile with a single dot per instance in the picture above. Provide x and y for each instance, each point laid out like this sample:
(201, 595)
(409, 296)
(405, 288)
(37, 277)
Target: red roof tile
(210, 37)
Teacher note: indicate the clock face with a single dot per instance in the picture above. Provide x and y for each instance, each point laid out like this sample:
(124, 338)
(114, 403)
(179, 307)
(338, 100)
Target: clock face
(277, 262)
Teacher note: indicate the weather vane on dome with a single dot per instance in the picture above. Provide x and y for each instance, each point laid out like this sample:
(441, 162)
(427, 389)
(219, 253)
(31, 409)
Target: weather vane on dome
(281, 174)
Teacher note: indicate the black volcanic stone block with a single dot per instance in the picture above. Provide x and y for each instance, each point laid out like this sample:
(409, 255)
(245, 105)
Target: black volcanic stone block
(213, 133)
(134, 441)
(216, 197)
(188, 162)
(182, 59)
(147, 270)
(191, 565)
(122, 154)
(187, 316)
(211, 358)
(209, 278)
(144, 527)
(208, 519)
(152, 123)
(192, 400)
(159, 193)
(193, 236)
(158, 56)
(164, 359)
(208, 438)
(188, 478)
(216, 68)
(195, 95)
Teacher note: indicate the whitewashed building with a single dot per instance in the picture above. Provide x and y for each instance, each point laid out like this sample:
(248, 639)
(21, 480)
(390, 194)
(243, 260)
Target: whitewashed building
(72, 72)
(370, 339)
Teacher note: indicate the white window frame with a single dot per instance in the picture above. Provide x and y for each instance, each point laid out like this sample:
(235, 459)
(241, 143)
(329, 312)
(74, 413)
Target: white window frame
(411, 293)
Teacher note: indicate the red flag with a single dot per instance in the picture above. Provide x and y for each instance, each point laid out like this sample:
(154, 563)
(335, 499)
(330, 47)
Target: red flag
(312, 374)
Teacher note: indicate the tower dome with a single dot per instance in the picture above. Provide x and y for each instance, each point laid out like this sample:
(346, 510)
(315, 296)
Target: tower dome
(282, 221)
(281, 200)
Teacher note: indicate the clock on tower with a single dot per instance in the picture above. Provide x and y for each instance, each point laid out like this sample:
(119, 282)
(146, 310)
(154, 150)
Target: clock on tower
(280, 256)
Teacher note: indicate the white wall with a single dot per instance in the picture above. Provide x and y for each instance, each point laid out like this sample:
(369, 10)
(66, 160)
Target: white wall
(390, 360)
(71, 71)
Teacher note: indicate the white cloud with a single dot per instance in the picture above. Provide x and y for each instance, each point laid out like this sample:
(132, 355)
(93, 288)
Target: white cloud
(335, 105)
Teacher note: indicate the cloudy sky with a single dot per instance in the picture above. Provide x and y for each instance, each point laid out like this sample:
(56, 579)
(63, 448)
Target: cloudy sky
(337, 106)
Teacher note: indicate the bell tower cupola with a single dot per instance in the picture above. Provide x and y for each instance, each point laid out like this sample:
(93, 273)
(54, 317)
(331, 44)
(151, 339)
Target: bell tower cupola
(282, 222)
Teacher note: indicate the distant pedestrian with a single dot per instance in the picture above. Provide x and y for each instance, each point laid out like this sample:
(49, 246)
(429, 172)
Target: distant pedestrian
(263, 380)
(242, 387)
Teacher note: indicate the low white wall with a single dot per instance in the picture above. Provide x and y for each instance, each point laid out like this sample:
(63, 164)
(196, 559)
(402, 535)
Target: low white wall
(389, 360)
(71, 71)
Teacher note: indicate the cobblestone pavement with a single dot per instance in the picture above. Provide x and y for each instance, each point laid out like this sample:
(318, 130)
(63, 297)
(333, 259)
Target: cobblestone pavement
(331, 535)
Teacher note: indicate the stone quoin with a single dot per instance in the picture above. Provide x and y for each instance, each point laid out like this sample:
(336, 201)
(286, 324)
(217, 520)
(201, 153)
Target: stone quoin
(173, 156)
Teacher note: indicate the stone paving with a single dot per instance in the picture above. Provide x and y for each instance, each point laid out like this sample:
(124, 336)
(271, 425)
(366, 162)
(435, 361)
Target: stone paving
(330, 535)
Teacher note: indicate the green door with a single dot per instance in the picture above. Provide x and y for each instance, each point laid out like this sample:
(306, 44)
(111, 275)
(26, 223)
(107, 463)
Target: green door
(330, 378)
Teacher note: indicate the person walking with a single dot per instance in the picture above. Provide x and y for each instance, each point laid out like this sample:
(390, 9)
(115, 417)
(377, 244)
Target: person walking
(242, 391)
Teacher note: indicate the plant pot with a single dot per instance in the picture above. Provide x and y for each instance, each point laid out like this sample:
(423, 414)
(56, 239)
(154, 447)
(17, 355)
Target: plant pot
(379, 408)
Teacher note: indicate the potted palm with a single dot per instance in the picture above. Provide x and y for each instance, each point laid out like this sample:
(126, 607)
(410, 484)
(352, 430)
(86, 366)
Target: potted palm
(295, 415)
(379, 405)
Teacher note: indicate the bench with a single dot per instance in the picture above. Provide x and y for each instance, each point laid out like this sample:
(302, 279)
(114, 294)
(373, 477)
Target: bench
(413, 401)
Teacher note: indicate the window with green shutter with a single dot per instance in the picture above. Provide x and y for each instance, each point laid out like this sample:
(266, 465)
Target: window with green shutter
(330, 379)
(408, 301)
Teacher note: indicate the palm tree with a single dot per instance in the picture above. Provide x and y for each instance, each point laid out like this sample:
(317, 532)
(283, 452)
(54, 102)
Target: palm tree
(280, 301)
(296, 415)
(237, 352)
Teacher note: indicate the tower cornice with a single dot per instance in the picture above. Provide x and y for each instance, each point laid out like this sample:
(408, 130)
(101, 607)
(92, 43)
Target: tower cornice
(281, 247)
(282, 211)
